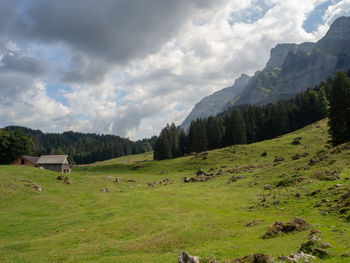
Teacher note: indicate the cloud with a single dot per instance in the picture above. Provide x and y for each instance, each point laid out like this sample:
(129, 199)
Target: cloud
(27, 65)
(132, 66)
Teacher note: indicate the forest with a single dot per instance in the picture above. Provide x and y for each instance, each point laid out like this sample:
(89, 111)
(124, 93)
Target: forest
(253, 123)
(81, 148)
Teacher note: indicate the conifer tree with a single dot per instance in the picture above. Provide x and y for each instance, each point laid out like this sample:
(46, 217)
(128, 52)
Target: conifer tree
(339, 109)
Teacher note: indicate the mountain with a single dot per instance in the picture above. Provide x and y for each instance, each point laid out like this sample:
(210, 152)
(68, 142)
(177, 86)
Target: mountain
(294, 68)
(213, 104)
(291, 69)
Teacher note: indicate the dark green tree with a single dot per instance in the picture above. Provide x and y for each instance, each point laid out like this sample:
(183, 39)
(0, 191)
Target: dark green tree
(339, 109)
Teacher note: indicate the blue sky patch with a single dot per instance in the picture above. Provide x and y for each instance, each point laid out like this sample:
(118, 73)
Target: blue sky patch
(314, 19)
(251, 14)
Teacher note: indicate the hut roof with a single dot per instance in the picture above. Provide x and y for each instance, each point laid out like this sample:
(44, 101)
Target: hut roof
(53, 159)
(32, 159)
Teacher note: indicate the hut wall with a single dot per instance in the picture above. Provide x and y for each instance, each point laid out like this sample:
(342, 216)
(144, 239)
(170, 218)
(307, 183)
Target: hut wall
(53, 167)
(20, 161)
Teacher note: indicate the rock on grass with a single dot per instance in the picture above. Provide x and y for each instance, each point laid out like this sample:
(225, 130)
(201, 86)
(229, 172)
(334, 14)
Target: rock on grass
(296, 224)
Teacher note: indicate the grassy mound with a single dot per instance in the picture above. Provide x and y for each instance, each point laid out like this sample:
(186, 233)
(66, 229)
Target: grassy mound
(151, 215)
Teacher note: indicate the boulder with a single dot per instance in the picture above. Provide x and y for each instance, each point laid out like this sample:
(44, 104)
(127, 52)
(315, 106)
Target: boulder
(187, 258)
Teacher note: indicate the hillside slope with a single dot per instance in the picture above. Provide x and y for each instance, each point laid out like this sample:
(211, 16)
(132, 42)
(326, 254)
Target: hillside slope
(140, 219)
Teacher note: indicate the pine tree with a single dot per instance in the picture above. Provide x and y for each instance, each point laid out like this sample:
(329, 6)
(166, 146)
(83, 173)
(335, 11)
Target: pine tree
(339, 109)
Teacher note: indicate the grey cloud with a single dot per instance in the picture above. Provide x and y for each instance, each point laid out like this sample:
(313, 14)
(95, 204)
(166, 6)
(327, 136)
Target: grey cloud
(85, 70)
(106, 31)
(12, 85)
(133, 116)
(116, 30)
(23, 64)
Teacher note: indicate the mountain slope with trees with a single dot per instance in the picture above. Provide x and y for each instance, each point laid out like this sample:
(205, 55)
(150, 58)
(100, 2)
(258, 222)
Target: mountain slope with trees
(252, 123)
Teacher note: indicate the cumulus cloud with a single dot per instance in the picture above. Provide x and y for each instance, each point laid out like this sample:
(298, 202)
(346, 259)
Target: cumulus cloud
(132, 66)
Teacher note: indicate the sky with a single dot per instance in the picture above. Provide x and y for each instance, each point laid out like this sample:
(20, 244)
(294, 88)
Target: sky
(130, 67)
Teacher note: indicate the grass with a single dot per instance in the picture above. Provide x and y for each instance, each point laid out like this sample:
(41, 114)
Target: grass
(137, 223)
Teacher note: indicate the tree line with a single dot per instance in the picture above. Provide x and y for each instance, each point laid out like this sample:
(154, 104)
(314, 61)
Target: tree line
(81, 148)
(253, 123)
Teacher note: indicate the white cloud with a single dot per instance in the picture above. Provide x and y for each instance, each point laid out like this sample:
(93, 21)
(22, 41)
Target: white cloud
(135, 88)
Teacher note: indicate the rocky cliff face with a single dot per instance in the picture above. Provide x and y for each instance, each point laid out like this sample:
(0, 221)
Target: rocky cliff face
(304, 66)
(291, 69)
(214, 103)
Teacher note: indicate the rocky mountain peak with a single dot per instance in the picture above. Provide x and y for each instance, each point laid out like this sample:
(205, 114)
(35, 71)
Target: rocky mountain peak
(336, 41)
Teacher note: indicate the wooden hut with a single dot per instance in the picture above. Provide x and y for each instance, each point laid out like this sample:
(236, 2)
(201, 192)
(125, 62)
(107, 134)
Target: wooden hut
(26, 160)
(58, 163)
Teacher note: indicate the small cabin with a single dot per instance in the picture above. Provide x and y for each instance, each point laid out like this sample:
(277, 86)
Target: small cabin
(57, 163)
(26, 160)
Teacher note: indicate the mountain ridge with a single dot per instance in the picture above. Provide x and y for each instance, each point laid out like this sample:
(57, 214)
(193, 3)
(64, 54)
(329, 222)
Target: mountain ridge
(291, 68)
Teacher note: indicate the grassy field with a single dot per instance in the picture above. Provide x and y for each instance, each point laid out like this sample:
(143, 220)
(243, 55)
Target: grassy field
(134, 222)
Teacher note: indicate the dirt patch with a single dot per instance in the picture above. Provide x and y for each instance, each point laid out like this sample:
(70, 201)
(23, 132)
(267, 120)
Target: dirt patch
(327, 175)
(278, 228)
(343, 205)
(256, 258)
(289, 181)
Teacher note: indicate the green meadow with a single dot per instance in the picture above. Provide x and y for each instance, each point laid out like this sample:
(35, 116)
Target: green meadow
(136, 222)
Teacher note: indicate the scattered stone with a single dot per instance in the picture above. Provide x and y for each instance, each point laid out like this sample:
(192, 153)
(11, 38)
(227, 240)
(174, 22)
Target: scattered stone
(60, 177)
(109, 177)
(325, 200)
(267, 187)
(315, 192)
(187, 180)
(277, 202)
(298, 257)
(295, 157)
(105, 189)
(296, 224)
(200, 172)
(313, 162)
(235, 178)
(35, 186)
(256, 258)
(117, 180)
(314, 245)
(337, 185)
(278, 159)
(187, 258)
(150, 184)
(325, 245)
(296, 141)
